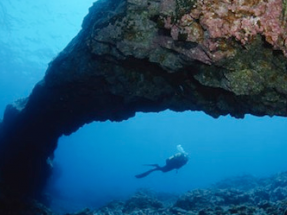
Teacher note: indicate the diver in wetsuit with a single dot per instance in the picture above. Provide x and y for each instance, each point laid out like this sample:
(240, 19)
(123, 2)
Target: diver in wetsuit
(174, 162)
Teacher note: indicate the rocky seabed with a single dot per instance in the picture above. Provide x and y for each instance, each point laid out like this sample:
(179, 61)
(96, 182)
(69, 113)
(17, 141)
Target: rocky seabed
(244, 195)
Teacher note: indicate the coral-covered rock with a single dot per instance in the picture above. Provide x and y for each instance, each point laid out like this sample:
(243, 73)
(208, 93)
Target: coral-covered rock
(85, 211)
(195, 200)
(141, 201)
(238, 197)
(241, 20)
(227, 197)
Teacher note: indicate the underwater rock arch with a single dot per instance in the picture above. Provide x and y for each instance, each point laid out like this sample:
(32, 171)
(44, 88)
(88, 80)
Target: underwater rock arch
(135, 56)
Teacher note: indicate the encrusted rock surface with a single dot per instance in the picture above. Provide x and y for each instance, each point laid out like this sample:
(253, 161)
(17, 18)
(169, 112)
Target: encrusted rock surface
(231, 196)
(220, 56)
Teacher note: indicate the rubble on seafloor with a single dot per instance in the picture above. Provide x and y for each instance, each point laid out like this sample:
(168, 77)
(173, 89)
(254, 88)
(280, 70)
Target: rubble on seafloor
(243, 195)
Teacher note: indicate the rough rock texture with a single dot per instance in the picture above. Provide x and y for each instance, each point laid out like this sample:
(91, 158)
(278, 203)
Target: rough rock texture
(232, 196)
(220, 56)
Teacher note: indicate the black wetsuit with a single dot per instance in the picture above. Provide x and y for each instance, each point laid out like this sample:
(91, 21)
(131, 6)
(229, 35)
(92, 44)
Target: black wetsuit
(174, 162)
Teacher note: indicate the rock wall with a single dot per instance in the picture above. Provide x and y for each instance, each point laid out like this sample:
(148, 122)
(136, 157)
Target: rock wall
(221, 57)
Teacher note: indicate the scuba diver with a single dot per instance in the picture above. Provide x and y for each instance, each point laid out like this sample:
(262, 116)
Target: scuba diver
(174, 162)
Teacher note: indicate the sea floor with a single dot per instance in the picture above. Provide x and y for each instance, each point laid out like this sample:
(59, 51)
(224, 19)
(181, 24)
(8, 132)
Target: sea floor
(244, 195)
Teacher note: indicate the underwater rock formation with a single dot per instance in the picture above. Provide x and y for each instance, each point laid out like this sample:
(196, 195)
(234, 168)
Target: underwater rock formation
(235, 195)
(231, 196)
(221, 57)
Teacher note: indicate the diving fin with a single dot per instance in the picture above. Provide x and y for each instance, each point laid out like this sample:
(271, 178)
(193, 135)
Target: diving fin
(145, 173)
(155, 165)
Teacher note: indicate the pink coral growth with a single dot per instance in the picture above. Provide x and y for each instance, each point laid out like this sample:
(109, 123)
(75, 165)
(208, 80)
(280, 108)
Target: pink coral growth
(240, 19)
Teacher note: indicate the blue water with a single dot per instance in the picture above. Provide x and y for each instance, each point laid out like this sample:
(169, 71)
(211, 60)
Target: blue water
(97, 163)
